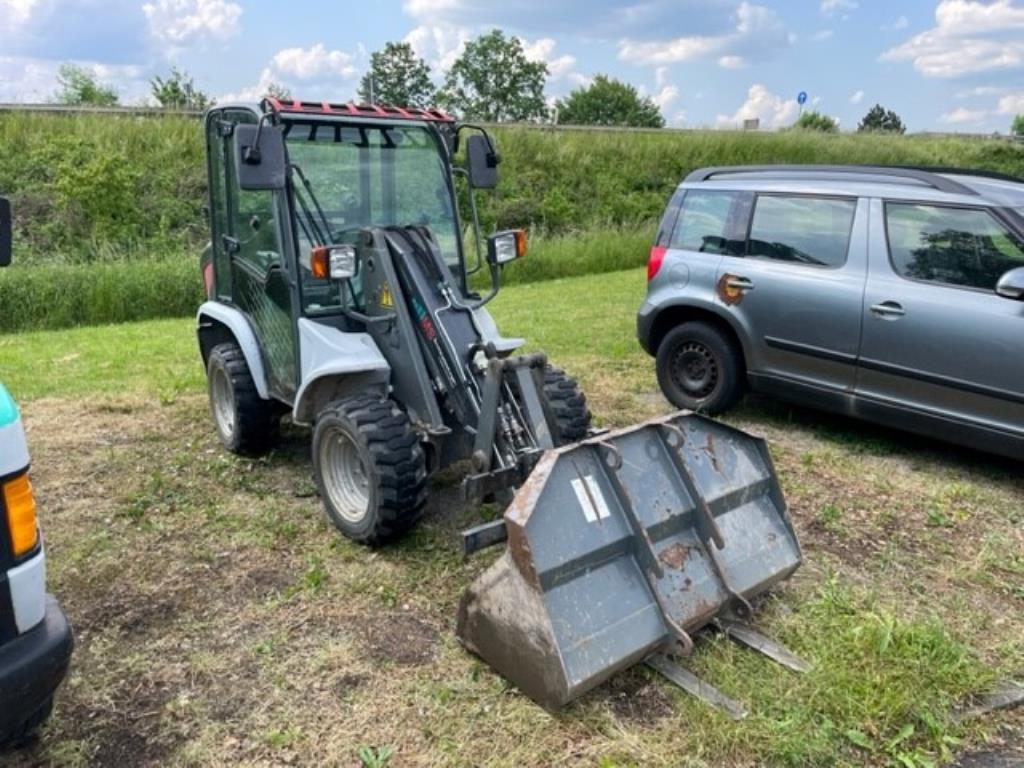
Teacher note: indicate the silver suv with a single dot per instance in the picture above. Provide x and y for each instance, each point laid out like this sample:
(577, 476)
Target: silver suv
(892, 294)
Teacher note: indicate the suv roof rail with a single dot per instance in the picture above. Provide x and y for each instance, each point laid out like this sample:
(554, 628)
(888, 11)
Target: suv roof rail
(951, 171)
(927, 177)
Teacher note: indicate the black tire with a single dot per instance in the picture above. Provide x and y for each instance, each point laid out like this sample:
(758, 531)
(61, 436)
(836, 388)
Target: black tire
(700, 368)
(24, 734)
(248, 424)
(568, 405)
(391, 470)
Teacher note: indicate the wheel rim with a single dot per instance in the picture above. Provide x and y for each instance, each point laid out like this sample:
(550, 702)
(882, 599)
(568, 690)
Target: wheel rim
(695, 369)
(222, 398)
(344, 476)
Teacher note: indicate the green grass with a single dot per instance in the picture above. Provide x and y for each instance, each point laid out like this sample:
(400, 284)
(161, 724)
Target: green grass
(213, 596)
(161, 358)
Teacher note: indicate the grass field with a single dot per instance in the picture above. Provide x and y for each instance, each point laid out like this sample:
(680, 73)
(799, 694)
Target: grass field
(220, 619)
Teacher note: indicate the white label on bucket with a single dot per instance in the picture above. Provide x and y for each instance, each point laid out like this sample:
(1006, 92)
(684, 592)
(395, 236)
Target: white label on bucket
(590, 498)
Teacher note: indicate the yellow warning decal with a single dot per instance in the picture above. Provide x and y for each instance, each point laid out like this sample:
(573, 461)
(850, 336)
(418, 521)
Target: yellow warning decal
(385, 296)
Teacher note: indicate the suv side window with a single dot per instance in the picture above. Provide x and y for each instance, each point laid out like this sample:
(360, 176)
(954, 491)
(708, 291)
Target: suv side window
(710, 222)
(805, 230)
(965, 247)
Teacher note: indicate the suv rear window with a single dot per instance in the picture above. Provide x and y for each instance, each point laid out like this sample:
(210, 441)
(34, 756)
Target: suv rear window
(801, 229)
(964, 247)
(708, 222)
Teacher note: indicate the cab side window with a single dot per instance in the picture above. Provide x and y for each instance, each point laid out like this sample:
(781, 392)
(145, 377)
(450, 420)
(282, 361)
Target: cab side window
(712, 222)
(803, 230)
(963, 247)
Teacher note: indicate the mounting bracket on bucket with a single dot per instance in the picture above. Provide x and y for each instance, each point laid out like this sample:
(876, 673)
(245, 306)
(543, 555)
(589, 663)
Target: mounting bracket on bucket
(624, 545)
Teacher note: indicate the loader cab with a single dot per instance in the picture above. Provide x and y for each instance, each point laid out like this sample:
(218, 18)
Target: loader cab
(345, 168)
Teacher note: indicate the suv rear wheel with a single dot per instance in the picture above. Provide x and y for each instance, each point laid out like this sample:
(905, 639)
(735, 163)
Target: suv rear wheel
(700, 369)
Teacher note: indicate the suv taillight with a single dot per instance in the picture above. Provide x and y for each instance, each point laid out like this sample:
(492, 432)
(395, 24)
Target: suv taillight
(654, 261)
(21, 514)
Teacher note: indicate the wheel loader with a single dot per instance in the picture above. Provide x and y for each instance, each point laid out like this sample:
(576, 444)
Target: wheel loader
(339, 291)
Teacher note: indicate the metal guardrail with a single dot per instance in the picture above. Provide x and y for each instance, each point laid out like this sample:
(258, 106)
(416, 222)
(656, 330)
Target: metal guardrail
(141, 111)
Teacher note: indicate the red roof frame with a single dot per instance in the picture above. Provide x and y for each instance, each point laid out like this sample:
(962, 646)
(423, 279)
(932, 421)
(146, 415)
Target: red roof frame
(350, 109)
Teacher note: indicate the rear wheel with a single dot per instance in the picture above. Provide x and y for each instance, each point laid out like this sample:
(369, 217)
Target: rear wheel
(246, 423)
(700, 369)
(370, 468)
(568, 405)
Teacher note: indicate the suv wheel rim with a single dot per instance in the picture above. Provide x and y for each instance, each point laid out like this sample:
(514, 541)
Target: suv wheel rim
(695, 369)
(344, 474)
(223, 400)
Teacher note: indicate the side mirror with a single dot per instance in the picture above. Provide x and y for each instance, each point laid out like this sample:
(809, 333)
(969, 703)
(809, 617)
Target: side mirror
(481, 162)
(259, 156)
(503, 247)
(5, 232)
(1011, 285)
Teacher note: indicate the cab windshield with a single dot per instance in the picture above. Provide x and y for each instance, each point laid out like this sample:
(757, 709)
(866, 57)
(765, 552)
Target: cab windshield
(365, 176)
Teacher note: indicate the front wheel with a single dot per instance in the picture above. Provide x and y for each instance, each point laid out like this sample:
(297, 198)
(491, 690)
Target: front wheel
(370, 468)
(700, 369)
(568, 405)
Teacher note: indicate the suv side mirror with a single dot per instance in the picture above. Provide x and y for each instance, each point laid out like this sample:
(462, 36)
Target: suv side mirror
(1011, 285)
(481, 162)
(5, 232)
(259, 156)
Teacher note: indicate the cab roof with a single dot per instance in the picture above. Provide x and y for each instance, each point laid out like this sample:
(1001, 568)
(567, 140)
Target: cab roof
(350, 109)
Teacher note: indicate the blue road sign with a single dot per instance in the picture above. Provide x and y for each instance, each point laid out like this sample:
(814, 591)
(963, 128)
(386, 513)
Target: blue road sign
(801, 98)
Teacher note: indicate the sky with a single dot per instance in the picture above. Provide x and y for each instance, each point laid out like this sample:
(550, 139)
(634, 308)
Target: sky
(942, 65)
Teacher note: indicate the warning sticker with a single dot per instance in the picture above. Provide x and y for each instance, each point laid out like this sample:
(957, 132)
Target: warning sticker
(385, 299)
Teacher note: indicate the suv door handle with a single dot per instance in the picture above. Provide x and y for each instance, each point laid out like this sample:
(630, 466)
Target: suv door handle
(888, 309)
(738, 283)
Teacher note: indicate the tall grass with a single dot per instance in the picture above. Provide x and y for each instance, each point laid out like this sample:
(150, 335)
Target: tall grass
(101, 187)
(59, 296)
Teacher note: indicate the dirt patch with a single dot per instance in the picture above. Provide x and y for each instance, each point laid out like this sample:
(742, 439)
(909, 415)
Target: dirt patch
(127, 731)
(636, 700)
(399, 638)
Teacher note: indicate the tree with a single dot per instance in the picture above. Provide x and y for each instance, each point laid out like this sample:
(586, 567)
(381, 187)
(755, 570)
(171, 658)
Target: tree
(279, 92)
(607, 101)
(178, 92)
(397, 77)
(881, 120)
(79, 87)
(816, 121)
(492, 80)
(1017, 129)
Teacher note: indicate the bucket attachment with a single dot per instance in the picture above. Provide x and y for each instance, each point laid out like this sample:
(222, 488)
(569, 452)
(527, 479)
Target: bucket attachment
(621, 546)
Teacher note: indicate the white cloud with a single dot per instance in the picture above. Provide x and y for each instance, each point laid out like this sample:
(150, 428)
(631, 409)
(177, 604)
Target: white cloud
(438, 44)
(429, 8)
(1011, 104)
(756, 28)
(968, 37)
(732, 62)
(182, 22)
(665, 96)
(542, 50)
(772, 110)
(961, 115)
(579, 80)
(901, 23)
(857, 97)
(15, 13)
(822, 34)
(831, 7)
(312, 63)
(253, 92)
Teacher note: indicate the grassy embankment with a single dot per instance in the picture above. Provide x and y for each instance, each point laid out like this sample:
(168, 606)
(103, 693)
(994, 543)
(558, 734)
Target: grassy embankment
(120, 200)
